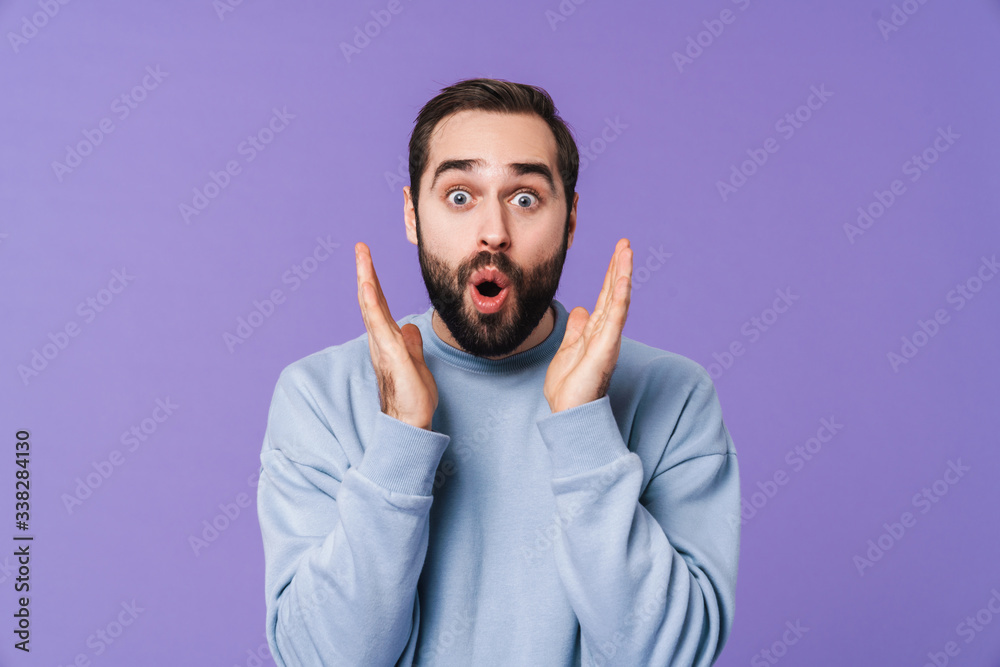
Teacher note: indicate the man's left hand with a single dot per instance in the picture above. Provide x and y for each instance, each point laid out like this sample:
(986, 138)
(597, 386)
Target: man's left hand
(581, 370)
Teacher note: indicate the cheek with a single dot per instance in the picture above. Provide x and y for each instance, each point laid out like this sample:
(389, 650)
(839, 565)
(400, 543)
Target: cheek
(442, 242)
(448, 263)
(543, 242)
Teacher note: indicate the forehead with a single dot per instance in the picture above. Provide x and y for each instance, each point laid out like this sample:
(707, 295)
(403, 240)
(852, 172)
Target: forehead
(498, 139)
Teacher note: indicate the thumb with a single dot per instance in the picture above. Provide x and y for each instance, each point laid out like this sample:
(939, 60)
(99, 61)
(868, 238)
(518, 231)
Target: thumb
(414, 341)
(575, 323)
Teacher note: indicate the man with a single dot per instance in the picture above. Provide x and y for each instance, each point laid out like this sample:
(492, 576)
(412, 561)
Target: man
(497, 481)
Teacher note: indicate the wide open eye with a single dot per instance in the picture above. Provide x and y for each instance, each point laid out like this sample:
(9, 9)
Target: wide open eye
(525, 199)
(458, 197)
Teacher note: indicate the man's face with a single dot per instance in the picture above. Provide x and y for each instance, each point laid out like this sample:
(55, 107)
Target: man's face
(491, 198)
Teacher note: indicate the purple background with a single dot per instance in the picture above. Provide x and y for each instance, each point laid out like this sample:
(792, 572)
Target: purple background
(332, 173)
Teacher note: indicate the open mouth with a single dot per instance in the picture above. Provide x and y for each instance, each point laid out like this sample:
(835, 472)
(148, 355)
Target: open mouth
(489, 289)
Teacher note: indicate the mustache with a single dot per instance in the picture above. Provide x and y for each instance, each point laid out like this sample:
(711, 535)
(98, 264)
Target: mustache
(486, 258)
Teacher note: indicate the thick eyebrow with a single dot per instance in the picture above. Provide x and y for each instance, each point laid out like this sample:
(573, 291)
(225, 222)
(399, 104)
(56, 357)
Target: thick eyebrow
(525, 168)
(517, 168)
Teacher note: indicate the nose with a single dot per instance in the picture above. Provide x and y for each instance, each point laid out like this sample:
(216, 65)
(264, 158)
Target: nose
(493, 232)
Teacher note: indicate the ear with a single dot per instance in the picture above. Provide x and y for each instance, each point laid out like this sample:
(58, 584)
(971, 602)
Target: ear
(572, 220)
(409, 216)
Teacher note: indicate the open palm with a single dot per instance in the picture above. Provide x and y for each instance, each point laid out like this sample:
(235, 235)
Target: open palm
(581, 369)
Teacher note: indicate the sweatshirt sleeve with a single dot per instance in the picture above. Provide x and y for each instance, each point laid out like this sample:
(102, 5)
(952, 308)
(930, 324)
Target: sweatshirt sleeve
(343, 545)
(651, 577)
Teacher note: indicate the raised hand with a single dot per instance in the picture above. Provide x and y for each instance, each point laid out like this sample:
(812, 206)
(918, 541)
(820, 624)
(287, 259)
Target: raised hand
(581, 369)
(407, 390)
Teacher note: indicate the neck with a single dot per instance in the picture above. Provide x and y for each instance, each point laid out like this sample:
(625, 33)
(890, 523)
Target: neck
(540, 333)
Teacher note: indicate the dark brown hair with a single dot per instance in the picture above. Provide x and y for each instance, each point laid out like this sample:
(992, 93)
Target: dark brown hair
(499, 96)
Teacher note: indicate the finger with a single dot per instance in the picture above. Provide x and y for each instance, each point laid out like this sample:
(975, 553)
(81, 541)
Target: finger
(613, 323)
(365, 292)
(616, 264)
(606, 290)
(380, 303)
(373, 348)
(378, 320)
(414, 341)
(614, 297)
(621, 249)
(616, 272)
(368, 266)
(361, 295)
(575, 322)
(607, 281)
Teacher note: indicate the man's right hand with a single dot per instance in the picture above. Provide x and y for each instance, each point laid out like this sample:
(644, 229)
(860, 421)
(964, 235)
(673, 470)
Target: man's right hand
(407, 390)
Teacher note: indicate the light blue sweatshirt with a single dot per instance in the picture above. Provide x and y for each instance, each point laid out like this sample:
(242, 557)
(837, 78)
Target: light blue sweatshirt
(606, 534)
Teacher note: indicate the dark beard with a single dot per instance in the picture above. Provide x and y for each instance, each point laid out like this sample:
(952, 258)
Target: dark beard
(491, 334)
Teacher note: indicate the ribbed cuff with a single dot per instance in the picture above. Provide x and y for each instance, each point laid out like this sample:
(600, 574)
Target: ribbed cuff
(582, 438)
(401, 457)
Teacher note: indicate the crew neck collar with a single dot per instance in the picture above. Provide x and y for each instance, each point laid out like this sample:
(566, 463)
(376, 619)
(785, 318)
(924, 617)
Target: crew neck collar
(544, 351)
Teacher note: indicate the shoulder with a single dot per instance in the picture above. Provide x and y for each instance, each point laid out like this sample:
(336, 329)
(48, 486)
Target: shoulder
(324, 397)
(672, 396)
(319, 370)
(652, 366)
(333, 366)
